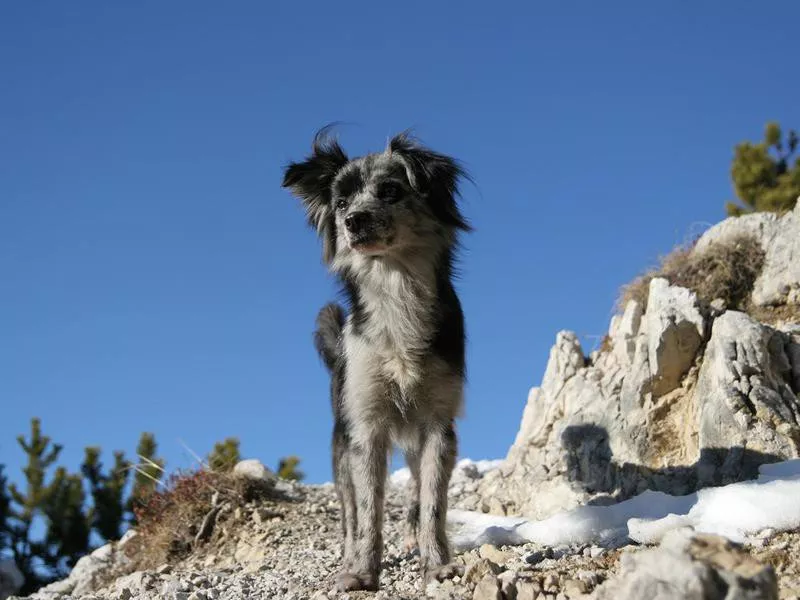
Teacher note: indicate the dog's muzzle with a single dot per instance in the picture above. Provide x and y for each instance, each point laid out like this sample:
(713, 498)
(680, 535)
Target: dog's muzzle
(358, 223)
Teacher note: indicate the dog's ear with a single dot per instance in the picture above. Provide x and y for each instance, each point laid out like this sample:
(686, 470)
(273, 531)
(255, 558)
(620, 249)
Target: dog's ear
(311, 181)
(432, 175)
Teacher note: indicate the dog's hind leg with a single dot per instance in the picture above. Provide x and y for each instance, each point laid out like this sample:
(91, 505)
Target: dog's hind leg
(412, 492)
(368, 463)
(345, 492)
(437, 459)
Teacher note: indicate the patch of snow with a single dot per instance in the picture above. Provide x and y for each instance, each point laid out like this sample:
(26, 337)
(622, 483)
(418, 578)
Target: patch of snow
(400, 477)
(466, 468)
(481, 466)
(734, 511)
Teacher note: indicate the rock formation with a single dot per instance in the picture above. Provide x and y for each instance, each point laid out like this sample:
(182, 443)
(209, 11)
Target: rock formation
(683, 394)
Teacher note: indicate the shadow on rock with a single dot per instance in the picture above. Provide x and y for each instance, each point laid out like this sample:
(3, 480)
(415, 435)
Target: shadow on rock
(590, 464)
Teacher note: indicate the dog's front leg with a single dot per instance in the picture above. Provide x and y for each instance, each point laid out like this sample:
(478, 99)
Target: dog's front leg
(412, 514)
(437, 460)
(368, 458)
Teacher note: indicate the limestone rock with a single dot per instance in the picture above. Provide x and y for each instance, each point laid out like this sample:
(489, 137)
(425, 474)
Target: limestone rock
(480, 569)
(677, 399)
(92, 570)
(779, 281)
(676, 330)
(254, 470)
(488, 588)
(687, 567)
(748, 412)
(494, 554)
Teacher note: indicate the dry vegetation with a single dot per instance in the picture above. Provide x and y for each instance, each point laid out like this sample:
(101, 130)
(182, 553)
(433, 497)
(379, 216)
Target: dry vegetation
(182, 516)
(726, 270)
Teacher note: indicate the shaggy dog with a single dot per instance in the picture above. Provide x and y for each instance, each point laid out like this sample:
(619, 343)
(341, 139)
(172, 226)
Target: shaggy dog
(389, 225)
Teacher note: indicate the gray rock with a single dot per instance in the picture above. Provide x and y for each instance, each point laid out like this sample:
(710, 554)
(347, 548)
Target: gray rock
(527, 590)
(684, 567)
(494, 554)
(744, 399)
(254, 470)
(641, 415)
(488, 588)
(92, 570)
(676, 330)
(11, 578)
(779, 281)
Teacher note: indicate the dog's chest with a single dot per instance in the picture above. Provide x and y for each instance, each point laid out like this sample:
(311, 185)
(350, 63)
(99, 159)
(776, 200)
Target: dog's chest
(398, 329)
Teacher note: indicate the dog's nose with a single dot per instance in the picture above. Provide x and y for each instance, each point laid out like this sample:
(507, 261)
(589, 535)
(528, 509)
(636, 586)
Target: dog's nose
(356, 221)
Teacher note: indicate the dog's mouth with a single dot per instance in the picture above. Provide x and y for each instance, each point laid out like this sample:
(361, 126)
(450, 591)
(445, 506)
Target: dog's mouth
(368, 244)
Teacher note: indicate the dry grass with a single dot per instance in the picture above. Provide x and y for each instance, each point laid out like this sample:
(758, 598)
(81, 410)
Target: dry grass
(726, 270)
(776, 315)
(168, 524)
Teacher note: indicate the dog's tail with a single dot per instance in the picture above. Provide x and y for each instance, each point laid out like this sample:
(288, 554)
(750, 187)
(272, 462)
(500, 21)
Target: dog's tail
(327, 337)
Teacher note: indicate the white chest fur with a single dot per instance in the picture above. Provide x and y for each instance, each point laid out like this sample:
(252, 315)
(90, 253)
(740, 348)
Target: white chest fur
(397, 327)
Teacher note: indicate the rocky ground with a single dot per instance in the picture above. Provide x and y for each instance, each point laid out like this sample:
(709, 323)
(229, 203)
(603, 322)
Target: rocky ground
(289, 549)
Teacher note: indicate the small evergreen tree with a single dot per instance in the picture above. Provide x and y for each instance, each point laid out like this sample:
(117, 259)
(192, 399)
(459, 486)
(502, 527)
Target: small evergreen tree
(5, 507)
(68, 525)
(148, 473)
(766, 176)
(107, 515)
(287, 468)
(225, 455)
(28, 505)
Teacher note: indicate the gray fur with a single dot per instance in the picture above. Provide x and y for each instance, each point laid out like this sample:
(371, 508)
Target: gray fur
(389, 223)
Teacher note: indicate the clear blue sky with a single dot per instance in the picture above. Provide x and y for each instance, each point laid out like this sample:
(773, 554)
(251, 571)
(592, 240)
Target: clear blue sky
(154, 276)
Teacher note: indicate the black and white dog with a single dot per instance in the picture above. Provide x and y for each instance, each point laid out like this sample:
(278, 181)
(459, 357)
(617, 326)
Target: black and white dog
(389, 224)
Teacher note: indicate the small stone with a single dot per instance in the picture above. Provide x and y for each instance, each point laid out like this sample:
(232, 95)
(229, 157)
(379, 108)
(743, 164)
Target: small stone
(164, 569)
(198, 596)
(767, 533)
(550, 582)
(508, 582)
(590, 578)
(496, 507)
(478, 570)
(254, 470)
(574, 587)
(527, 590)
(534, 558)
(488, 588)
(718, 306)
(494, 554)
(596, 551)
(125, 594)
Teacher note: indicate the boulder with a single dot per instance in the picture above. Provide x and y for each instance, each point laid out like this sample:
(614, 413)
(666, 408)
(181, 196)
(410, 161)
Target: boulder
(779, 281)
(691, 567)
(254, 470)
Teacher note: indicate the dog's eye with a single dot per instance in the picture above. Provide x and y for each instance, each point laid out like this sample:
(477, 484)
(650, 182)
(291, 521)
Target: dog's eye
(341, 203)
(390, 191)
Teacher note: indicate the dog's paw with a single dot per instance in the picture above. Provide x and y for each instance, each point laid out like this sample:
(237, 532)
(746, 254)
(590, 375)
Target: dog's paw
(351, 582)
(443, 572)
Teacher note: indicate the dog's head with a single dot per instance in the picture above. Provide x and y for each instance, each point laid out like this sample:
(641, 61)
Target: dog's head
(393, 203)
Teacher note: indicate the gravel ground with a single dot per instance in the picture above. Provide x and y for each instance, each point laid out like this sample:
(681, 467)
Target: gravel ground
(291, 550)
